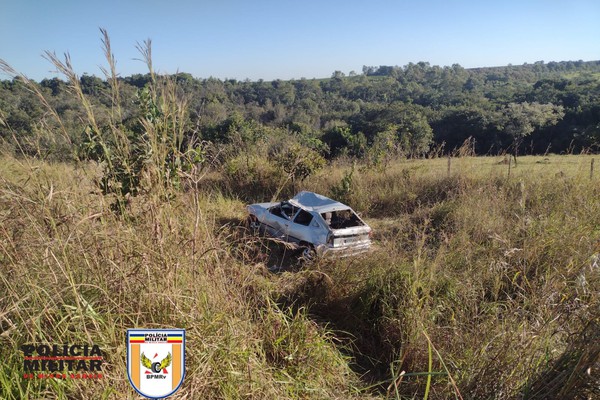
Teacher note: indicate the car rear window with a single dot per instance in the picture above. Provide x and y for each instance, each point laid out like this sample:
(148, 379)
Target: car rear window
(342, 219)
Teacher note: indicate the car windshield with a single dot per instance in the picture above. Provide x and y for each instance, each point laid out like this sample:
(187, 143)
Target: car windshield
(284, 210)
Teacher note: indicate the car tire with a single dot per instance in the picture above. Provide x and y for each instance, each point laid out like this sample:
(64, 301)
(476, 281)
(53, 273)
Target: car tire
(252, 224)
(309, 253)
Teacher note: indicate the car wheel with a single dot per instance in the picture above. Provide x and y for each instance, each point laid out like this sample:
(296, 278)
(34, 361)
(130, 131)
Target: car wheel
(308, 253)
(252, 224)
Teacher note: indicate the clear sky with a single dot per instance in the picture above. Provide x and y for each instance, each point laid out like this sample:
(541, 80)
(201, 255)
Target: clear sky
(285, 39)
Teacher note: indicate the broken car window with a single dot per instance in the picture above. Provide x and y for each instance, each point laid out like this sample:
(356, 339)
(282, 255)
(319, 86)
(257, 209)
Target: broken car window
(288, 210)
(276, 210)
(303, 218)
(341, 219)
(284, 210)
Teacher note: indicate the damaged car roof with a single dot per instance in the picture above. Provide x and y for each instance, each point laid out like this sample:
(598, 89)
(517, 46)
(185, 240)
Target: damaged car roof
(316, 202)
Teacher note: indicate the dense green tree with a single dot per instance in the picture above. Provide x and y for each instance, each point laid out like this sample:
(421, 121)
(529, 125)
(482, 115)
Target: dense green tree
(92, 85)
(55, 85)
(500, 108)
(519, 120)
(454, 125)
(409, 122)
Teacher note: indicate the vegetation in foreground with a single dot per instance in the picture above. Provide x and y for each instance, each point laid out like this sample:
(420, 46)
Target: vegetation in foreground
(484, 281)
(480, 286)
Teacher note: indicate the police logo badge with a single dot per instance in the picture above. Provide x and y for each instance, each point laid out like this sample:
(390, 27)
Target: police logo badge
(156, 361)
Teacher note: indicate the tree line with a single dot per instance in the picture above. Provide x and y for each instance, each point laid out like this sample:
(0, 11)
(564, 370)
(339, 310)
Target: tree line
(384, 111)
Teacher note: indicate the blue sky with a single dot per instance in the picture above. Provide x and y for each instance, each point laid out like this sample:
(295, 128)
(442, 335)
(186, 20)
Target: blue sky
(284, 39)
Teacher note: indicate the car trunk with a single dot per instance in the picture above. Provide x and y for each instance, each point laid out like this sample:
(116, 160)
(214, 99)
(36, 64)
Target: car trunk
(354, 236)
(347, 229)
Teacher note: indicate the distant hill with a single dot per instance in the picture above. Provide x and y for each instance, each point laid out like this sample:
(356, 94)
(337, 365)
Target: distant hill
(420, 105)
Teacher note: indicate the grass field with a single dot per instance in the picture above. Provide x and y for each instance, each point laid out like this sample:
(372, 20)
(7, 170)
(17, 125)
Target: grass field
(481, 284)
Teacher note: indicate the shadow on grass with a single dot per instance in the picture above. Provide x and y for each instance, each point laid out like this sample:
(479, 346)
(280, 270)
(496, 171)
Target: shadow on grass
(253, 247)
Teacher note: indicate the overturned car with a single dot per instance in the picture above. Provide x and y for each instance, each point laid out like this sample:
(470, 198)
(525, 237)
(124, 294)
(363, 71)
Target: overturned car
(317, 224)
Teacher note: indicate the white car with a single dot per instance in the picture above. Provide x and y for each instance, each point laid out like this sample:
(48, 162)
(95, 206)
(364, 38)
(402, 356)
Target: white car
(317, 224)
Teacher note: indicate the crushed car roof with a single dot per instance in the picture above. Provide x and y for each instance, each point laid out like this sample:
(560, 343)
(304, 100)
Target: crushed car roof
(317, 202)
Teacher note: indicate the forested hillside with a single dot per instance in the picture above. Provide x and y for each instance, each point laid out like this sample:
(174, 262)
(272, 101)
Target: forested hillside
(532, 108)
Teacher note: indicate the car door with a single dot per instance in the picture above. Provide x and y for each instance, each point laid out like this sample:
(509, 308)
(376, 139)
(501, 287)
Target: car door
(305, 228)
(280, 220)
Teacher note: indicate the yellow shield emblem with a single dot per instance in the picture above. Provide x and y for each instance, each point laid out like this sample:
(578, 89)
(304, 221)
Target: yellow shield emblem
(156, 361)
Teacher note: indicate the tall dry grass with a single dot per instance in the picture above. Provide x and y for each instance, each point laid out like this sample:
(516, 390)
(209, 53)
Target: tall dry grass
(73, 271)
(499, 274)
(479, 286)
(483, 282)
(90, 250)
